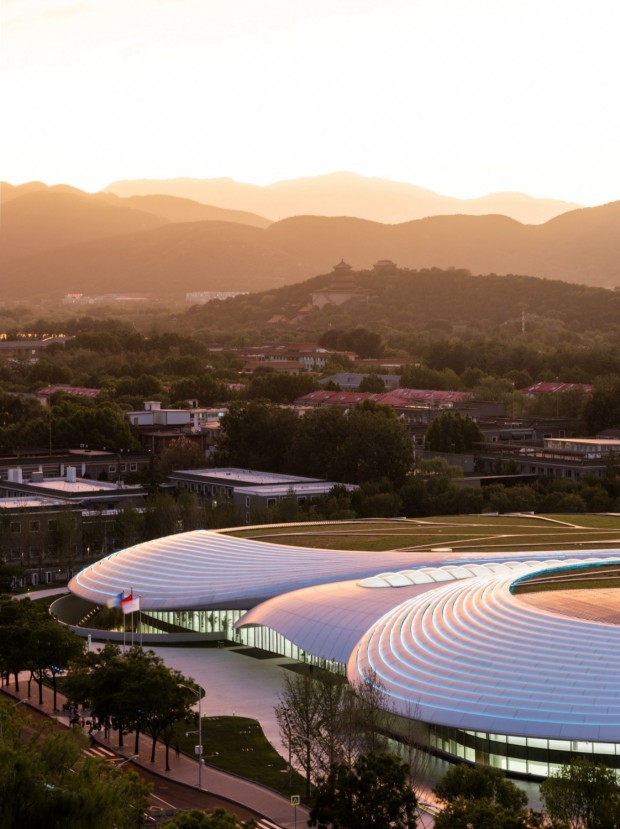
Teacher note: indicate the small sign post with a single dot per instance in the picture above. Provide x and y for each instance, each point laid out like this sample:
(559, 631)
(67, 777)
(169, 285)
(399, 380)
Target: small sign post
(295, 801)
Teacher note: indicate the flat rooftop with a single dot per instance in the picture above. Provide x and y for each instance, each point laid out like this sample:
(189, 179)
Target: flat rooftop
(30, 502)
(249, 476)
(65, 486)
(298, 488)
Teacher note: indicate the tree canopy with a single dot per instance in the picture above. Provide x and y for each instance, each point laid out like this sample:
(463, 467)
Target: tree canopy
(47, 780)
(480, 798)
(582, 795)
(453, 432)
(369, 443)
(372, 794)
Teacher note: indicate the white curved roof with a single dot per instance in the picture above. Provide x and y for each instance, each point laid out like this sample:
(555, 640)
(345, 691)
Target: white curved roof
(471, 655)
(442, 630)
(208, 570)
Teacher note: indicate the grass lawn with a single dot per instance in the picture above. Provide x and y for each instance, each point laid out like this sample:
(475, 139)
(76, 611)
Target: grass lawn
(462, 532)
(238, 745)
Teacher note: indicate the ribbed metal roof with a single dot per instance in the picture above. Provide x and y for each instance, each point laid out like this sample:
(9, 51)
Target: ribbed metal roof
(442, 630)
(208, 570)
(471, 655)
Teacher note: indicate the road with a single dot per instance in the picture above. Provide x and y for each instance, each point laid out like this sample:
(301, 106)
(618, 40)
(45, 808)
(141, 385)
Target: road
(167, 796)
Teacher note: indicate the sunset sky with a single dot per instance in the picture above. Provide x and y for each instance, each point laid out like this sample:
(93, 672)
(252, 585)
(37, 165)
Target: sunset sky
(464, 97)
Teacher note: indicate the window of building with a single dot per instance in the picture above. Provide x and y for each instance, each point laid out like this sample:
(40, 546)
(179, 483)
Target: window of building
(133, 467)
(247, 500)
(35, 526)
(112, 467)
(51, 524)
(16, 527)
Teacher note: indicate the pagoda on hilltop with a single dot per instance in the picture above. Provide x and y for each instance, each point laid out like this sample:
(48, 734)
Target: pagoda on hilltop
(340, 290)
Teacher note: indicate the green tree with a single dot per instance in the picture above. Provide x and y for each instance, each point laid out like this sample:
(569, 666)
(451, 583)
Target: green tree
(216, 819)
(602, 408)
(374, 794)
(318, 441)
(452, 432)
(135, 691)
(372, 383)
(128, 526)
(98, 424)
(377, 446)
(582, 795)
(46, 780)
(299, 713)
(278, 387)
(9, 574)
(15, 631)
(64, 538)
(422, 377)
(362, 341)
(257, 435)
(161, 516)
(35, 641)
(182, 453)
(480, 798)
(482, 814)
(477, 783)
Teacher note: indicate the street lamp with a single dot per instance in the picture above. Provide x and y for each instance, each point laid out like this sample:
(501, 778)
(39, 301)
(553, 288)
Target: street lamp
(198, 692)
(286, 712)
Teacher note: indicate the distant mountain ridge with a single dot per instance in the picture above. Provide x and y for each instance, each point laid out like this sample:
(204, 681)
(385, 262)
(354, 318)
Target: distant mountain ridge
(344, 194)
(60, 240)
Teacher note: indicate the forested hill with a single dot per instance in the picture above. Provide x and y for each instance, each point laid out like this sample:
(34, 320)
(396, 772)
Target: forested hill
(60, 241)
(420, 299)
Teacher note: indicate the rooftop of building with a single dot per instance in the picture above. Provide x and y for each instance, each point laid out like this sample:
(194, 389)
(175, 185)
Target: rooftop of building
(250, 476)
(30, 502)
(301, 488)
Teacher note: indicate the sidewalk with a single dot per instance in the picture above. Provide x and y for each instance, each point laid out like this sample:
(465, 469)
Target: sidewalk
(183, 769)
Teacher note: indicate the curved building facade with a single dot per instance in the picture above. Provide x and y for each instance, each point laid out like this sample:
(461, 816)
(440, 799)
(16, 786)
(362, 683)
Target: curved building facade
(494, 679)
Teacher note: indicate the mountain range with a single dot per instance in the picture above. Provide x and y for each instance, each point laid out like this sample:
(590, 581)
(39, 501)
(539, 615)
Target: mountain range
(57, 240)
(343, 194)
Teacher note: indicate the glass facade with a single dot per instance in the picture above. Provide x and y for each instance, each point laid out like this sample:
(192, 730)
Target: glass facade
(533, 756)
(221, 624)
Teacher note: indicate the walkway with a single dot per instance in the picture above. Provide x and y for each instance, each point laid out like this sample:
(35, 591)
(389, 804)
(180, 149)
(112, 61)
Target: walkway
(216, 674)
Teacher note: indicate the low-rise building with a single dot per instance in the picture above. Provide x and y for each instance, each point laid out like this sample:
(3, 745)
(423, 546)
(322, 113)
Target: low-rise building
(158, 428)
(556, 457)
(47, 538)
(252, 492)
(71, 489)
(98, 464)
(28, 350)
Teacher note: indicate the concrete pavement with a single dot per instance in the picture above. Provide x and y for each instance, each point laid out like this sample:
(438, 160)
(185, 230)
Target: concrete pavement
(275, 808)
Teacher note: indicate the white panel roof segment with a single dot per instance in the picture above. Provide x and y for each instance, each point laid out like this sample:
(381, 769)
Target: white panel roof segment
(207, 570)
(471, 655)
(328, 620)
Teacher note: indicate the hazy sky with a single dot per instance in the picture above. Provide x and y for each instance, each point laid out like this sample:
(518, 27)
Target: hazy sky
(464, 97)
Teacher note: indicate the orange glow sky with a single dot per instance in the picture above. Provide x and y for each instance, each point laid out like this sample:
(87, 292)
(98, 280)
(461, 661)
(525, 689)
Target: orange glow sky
(464, 97)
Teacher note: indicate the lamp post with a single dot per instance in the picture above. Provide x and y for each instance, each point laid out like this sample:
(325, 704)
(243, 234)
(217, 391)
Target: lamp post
(286, 714)
(198, 692)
